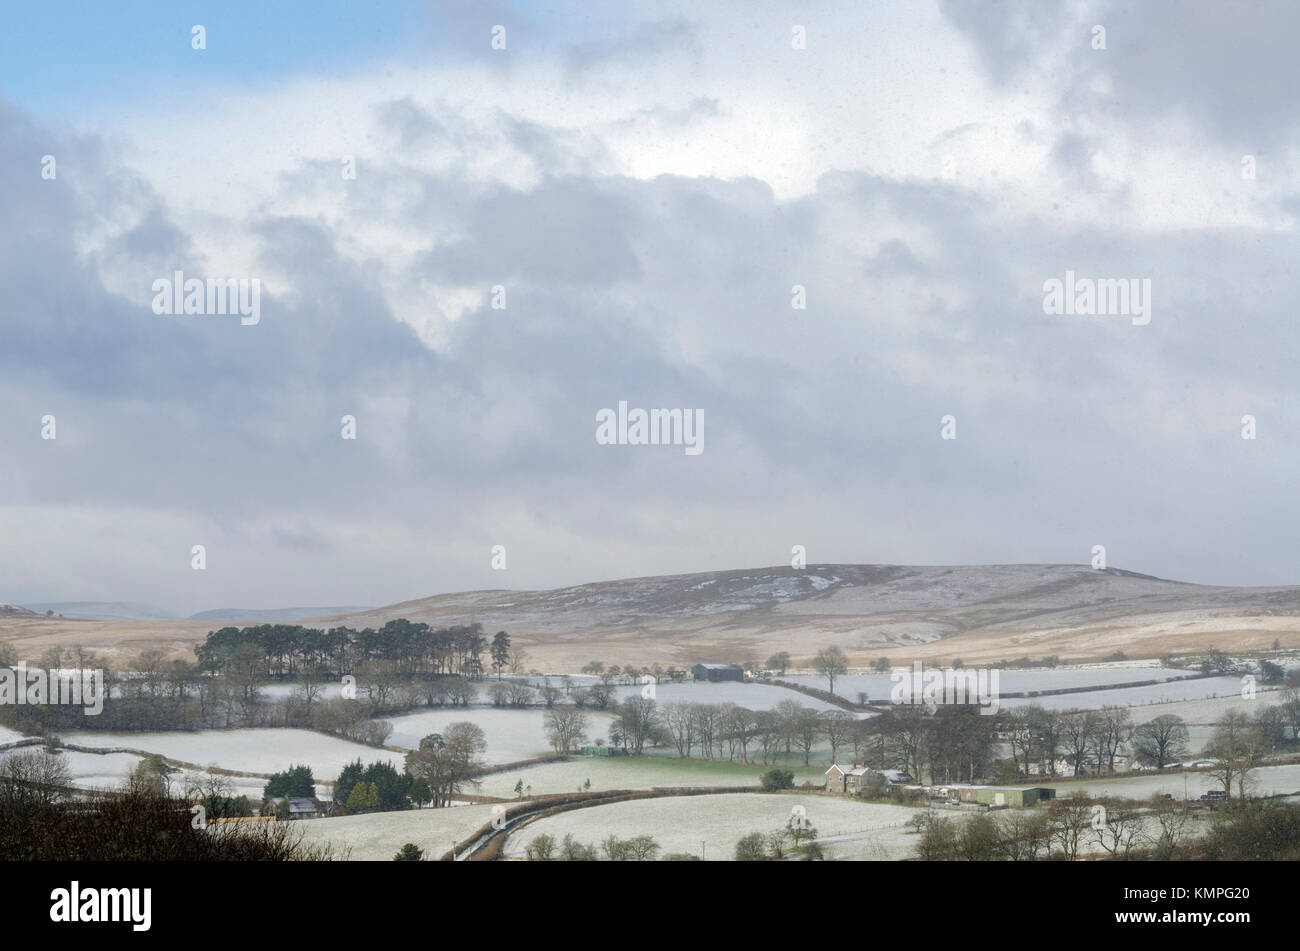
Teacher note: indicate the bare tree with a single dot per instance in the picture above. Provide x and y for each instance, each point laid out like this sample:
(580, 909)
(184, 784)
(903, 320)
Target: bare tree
(1022, 737)
(1078, 731)
(1025, 835)
(1170, 827)
(566, 727)
(806, 727)
(838, 726)
(450, 762)
(1160, 741)
(636, 720)
(680, 719)
(1071, 819)
(831, 663)
(33, 778)
(1113, 731)
(1117, 828)
(1237, 746)
(742, 725)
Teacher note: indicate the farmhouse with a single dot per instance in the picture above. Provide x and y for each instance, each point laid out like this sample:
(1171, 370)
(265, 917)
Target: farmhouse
(848, 779)
(714, 673)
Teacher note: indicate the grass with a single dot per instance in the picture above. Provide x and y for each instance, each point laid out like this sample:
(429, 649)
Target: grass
(634, 772)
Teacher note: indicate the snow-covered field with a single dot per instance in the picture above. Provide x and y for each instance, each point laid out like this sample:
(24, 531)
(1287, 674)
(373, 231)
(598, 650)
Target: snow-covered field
(878, 686)
(1156, 694)
(107, 771)
(1265, 781)
(511, 734)
(716, 823)
(644, 772)
(754, 696)
(376, 836)
(98, 770)
(1208, 710)
(246, 751)
(8, 736)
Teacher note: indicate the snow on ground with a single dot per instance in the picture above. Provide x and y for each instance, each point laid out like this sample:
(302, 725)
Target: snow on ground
(1208, 710)
(716, 823)
(1265, 781)
(631, 772)
(511, 734)
(96, 770)
(332, 690)
(754, 696)
(1137, 697)
(376, 836)
(8, 736)
(246, 751)
(878, 686)
(110, 771)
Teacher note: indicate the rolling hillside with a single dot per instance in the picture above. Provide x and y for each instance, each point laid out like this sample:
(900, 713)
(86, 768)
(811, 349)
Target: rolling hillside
(978, 613)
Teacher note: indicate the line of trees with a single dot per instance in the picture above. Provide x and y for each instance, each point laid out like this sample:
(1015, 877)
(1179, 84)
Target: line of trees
(710, 731)
(410, 648)
(1041, 740)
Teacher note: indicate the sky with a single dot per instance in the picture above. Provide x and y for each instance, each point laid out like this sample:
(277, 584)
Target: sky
(650, 188)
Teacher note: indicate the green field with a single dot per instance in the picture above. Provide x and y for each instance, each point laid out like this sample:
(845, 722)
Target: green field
(634, 772)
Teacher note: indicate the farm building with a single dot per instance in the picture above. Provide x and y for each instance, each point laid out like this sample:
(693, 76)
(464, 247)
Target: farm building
(843, 778)
(1014, 796)
(303, 808)
(299, 808)
(715, 673)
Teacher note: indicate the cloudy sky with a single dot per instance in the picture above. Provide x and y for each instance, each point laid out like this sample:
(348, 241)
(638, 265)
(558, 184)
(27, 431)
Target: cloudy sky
(648, 186)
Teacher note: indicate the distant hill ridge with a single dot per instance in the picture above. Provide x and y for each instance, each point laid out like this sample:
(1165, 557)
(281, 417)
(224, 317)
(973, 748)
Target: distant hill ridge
(970, 612)
(271, 615)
